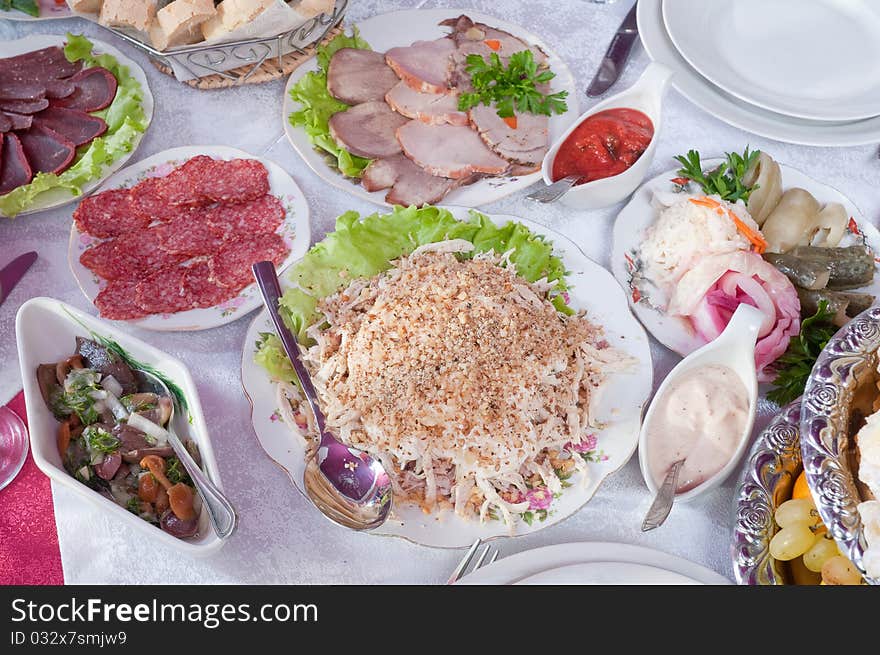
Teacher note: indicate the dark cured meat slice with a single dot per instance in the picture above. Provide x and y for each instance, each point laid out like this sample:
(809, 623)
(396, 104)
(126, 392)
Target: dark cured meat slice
(231, 266)
(189, 235)
(101, 259)
(24, 106)
(59, 88)
(5, 123)
(20, 90)
(46, 64)
(19, 121)
(16, 171)
(116, 301)
(108, 214)
(201, 290)
(148, 203)
(73, 124)
(162, 291)
(46, 150)
(261, 215)
(95, 89)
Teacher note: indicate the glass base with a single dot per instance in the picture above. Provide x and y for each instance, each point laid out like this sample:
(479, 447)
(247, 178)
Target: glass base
(13, 445)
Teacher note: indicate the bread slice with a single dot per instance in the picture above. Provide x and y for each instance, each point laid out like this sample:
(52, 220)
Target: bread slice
(178, 19)
(85, 6)
(138, 14)
(232, 14)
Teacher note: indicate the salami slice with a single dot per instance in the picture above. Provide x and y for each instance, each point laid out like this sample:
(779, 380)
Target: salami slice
(231, 266)
(256, 216)
(141, 252)
(103, 261)
(162, 291)
(179, 186)
(191, 235)
(202, 181)
(201, 290)
(108, 214)
(148, 203)
(116, 301)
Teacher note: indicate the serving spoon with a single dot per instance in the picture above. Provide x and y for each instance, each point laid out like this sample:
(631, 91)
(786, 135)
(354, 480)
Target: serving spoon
(347, 485)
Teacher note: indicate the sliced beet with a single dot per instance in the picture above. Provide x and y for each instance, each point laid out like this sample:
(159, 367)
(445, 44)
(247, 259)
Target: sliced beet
(15, 170)
(46, 150)
(77, 126)
(95, 89)
(19, 121)
(24, 106)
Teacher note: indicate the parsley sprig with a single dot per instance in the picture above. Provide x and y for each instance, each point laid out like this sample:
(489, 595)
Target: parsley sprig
(795, 366)
(726, 180)
(511, 87)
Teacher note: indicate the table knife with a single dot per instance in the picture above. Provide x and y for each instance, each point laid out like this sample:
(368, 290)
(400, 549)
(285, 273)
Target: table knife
(616, 55)
(13, 272)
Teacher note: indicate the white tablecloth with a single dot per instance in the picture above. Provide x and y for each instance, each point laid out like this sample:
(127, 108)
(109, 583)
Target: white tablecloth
(282, 539)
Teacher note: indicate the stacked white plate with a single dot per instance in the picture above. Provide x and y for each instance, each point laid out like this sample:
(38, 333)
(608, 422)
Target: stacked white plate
(801, 72)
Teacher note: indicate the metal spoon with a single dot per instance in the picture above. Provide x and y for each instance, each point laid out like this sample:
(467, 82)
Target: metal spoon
(220, 510)
(662, 504)
(349, 486)
(556, 190)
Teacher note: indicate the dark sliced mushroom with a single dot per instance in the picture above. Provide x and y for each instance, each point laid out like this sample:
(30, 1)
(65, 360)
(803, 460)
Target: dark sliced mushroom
(178, 527)
(63, 367)
(107, 362)
(134, 456)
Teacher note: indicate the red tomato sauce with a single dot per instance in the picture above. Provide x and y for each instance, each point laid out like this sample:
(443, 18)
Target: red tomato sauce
(604, 144)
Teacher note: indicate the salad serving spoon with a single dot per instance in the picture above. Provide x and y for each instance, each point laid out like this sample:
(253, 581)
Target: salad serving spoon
(349, 486)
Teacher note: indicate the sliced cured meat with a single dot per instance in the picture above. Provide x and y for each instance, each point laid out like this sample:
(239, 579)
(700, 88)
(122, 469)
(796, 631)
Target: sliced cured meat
(200, 289)
(148, 202)
(77, 126)
(24, 106)
(5, 123)
(368, 130)
(95, 89)
(117, 302)
(424, 65)
(161, 292)
(449, 150)
(20, 90)
(15, 170)
(355, 76)
(231, 266)
(525, 145)
(45, 64)
(178, 187)
(203, 180)
(472, 38)
(108, 214)
(102, 260)
(141, 252)
(18, 121)
(189, 235)
(409, 184)
(256, 216)
(46, 150)
(59, 88)
(432, 108)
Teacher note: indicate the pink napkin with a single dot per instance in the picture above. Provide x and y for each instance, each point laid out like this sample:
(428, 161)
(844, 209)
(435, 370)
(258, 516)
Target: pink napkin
(29, 553)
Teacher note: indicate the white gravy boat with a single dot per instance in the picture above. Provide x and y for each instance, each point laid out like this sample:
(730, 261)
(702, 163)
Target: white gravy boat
(734, 348)
(645, 95)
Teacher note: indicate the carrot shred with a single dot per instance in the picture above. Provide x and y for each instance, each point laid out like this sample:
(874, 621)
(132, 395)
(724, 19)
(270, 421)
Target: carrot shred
(511, 122)
(755, 238)
(495, 44)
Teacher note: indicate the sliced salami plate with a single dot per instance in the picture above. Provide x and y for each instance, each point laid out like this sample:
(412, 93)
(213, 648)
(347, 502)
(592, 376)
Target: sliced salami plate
(49, 10)
(276, 228)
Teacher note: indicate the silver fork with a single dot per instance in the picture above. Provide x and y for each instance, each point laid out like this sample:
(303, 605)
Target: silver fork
(487, 555)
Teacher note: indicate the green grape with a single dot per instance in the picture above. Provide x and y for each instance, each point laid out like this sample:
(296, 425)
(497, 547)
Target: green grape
(791, 541)
(839, 570)
(823, 549)
(797, 511)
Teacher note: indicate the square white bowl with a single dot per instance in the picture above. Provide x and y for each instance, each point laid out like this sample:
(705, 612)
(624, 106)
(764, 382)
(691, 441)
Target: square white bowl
(46, 331)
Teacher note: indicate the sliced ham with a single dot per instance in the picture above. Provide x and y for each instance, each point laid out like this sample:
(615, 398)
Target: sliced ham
(432, 108)
(18, 121)
(355, 76)
(24, 106)
(368, 129)
(15, 170)
(77, 126)
(425, 65)
(409, 184)
(46, 150)
(449, 150)
(525, 145)
(95, 89)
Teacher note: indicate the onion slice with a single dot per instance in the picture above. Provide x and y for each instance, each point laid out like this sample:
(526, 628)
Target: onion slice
(149, 428)
(112, 385)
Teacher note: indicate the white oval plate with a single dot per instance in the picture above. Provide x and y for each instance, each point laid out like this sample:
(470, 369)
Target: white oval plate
(634, 219)
(621, 404)
(295, 230)
(815, 60)
(607, 573)
(54, 12)
(521, 566)
(734, 111)
(58, 197)
(402, 28)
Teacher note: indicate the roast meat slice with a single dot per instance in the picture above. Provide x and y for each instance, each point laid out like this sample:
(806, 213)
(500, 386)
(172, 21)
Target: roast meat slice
(525, 145)
(409, 184)
(46, 150)
(355, 76)
(424, 65)
(449, 150)
(433, 108)
(15, 170)
(368, 129)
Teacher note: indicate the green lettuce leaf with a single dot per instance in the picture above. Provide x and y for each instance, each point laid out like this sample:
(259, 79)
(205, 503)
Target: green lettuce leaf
(125, 119)
(318, 106)
(366, 247)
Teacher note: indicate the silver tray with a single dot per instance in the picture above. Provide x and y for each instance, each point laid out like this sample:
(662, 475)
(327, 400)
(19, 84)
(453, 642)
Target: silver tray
(766, 481)
(848, 361)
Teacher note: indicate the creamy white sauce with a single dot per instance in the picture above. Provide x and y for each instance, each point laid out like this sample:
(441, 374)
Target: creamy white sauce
(700, 418)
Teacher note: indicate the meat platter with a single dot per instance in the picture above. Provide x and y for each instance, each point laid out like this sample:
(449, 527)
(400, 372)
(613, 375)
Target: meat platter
(202, 230)
(487, 177)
